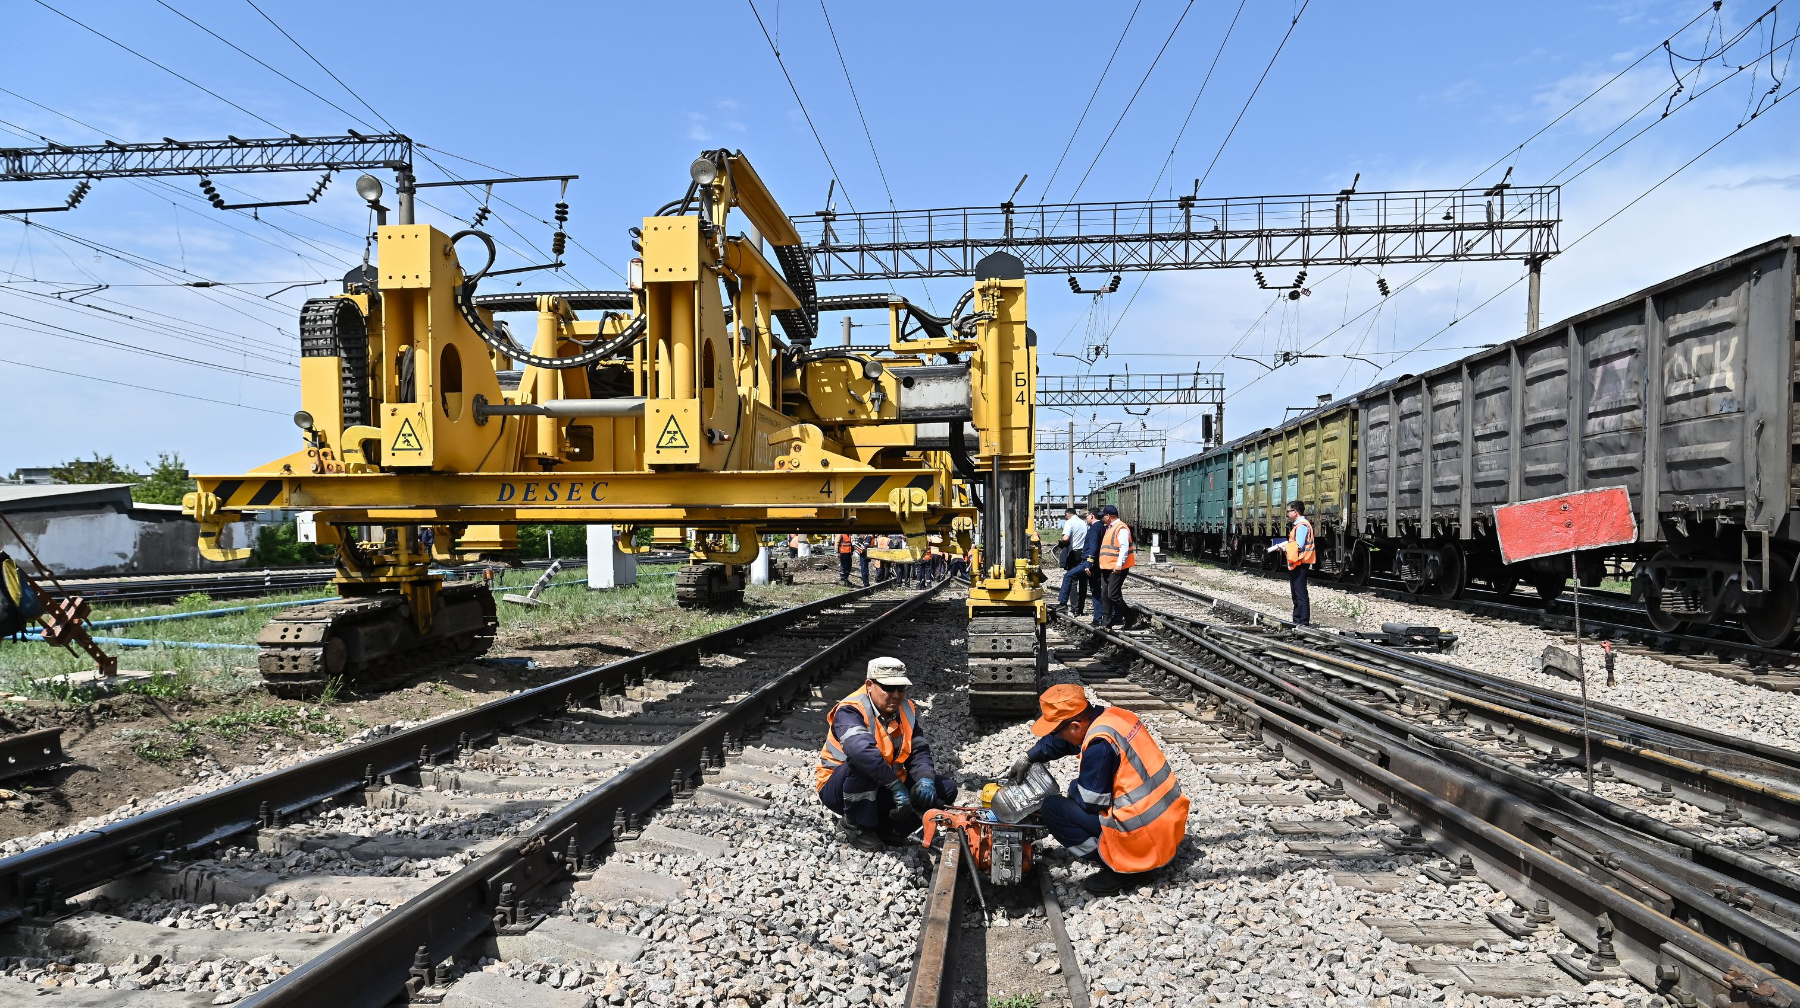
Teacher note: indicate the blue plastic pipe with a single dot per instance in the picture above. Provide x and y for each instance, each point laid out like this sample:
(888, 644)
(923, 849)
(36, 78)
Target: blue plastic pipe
(129, 620)
(198, 645)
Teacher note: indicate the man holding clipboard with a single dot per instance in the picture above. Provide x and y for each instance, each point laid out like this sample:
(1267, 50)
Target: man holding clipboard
(1301, 554)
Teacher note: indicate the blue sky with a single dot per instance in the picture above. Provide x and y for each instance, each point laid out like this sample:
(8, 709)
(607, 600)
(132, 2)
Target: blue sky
(959, 101)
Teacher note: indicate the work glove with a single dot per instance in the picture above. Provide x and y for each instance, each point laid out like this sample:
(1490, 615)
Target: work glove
(924, 794)
(902, 801)
(1020, 768)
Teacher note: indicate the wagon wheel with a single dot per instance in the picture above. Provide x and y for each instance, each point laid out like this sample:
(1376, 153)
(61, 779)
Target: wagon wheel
(1453, 575)
(1660, 618)
(1413, 579)
(1361, 564)
(1549, 586)
(1771, 624)
(1503, 584)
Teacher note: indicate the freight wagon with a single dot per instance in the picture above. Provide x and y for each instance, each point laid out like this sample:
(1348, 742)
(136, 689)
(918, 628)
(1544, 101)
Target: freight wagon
(1682, 393)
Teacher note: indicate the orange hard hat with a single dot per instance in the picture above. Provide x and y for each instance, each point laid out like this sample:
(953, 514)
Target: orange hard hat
(1059, 703)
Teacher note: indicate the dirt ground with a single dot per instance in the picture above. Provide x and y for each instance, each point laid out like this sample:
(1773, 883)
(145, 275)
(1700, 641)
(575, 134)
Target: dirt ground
(135, 745)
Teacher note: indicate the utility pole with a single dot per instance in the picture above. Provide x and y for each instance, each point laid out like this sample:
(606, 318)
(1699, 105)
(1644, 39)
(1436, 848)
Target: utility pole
(847, 324)
(1071, 463)
(1534, 287)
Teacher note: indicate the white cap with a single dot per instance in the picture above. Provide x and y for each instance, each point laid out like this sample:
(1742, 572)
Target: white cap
(888, 672)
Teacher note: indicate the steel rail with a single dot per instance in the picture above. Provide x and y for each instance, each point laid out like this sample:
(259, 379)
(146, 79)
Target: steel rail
(29, 752)
(1647, 755)
(1619, 717)
(369, 969)
(40, 880)
(1783, 885)
(1512, 843)
(932, 982)
(1639, 631)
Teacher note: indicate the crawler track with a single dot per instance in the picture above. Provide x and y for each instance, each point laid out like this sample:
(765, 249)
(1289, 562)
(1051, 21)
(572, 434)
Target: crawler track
(1488, 774)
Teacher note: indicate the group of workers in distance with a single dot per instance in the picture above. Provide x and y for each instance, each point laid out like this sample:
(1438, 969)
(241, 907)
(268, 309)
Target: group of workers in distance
(1096, 549)
(854, 549)
(1124, 811)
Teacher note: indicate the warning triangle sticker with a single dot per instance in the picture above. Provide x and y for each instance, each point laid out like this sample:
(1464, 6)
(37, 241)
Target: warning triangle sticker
(408, 439)
(671, 436)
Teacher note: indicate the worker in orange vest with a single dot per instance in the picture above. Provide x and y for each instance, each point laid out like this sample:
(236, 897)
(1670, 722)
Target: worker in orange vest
(875, 768)
(1118, 554)
(846, 549)
(1125, 810)
(1301, 553)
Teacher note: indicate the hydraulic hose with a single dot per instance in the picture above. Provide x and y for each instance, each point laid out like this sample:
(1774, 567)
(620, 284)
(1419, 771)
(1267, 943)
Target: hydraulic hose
(503, 343)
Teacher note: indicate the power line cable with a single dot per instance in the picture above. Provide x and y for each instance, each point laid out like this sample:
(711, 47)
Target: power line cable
(61, 332)
(1578, 240)
(265, 66)
(1144, 278)
(1132, 100)
(340, 81)
(159, 66)
(802, 103)
(1090, 102)
(142, 388)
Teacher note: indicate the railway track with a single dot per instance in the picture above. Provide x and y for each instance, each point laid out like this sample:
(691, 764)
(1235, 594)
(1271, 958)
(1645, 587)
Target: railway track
(1660, 879)
(441, 844)
(1605, 615)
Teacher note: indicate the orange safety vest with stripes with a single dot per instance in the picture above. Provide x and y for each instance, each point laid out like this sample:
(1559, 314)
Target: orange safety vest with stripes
(845, 545)
(893, 738)
(1109, 548)
(1296, 554)
(1148, 817)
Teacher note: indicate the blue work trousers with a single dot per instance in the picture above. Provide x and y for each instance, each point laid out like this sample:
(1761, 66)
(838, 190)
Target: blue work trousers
(1102, 606)
(863, 562)
(863, 802)
(1073, 826)
(1302, 600)
(1075, 580)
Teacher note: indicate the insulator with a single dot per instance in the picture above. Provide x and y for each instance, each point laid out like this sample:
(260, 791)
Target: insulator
(79, 194)
(1114, 286)
(1300, 281)
(1074, 285)
(1261, 281)
(1381, 285)
(481, 216)
(558, 242)
(562, 213)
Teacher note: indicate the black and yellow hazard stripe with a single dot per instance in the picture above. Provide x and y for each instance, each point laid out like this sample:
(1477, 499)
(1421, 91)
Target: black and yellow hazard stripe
(238, 493)
(877, 487)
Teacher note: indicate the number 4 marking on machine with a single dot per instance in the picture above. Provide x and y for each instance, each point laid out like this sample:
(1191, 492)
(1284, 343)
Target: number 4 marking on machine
(671, 436)
(408, 439)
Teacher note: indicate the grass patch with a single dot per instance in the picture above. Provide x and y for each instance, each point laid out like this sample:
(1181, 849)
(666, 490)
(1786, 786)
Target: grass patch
(648, 605)
(184, 738)
(1015, 1001)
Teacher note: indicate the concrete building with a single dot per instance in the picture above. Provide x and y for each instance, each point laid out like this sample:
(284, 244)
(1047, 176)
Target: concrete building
(96, 528)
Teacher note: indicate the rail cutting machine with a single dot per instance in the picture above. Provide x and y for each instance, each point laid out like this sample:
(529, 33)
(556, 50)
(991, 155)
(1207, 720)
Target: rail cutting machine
(673, 404)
